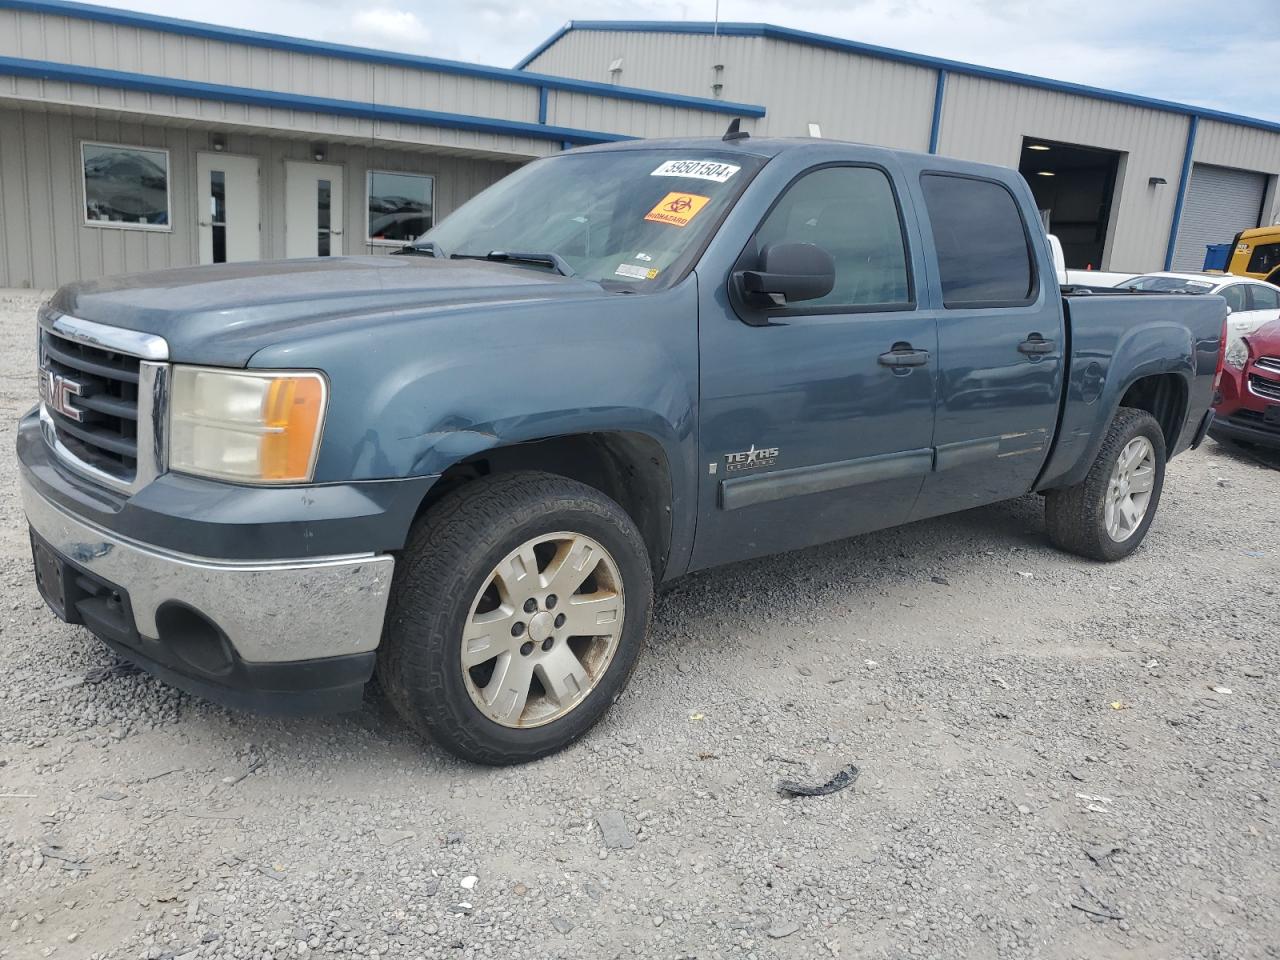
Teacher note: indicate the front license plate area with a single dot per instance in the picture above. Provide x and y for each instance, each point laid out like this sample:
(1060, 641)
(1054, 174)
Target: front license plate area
(51, 574)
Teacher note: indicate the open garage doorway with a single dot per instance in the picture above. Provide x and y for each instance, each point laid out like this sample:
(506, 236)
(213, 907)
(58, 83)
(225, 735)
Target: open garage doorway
(1073, 187)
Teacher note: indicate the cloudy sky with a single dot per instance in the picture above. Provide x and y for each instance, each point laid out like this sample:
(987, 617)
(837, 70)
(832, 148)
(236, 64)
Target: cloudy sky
(1221, 56)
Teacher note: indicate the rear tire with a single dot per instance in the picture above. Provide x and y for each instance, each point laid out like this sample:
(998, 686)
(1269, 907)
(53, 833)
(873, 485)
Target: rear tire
(1105, 516)
(480, 651)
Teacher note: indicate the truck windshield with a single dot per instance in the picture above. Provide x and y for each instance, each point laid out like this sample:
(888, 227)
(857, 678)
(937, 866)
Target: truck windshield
(631, 219)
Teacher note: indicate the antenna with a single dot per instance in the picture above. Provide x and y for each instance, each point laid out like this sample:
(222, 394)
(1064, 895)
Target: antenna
(735, 131)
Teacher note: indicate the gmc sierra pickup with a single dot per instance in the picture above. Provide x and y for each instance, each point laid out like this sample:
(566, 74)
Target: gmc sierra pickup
(466, 467)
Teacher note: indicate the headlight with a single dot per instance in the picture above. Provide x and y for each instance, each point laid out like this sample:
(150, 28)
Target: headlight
(1237, 353)
(247, 426)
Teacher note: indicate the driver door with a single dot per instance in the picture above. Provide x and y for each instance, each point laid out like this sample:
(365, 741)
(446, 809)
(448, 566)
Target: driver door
(811, 428)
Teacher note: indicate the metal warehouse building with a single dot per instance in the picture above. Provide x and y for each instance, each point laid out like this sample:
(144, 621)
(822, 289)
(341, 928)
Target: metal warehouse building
(133, 142)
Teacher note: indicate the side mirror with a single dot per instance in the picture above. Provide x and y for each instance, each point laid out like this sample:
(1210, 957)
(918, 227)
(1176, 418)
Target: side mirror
(788, 273)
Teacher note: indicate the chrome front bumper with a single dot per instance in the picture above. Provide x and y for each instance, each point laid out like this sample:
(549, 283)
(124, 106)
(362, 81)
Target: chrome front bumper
(270, 611)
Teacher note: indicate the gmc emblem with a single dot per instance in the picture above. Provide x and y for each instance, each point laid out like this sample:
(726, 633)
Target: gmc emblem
(56, 391)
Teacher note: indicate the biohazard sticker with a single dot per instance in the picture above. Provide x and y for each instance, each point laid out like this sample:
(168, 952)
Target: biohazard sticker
(677, 209)
(632, 272)
(697, 169)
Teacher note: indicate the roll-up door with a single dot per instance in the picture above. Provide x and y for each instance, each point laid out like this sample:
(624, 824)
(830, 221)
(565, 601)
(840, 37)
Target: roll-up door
(1220, 203)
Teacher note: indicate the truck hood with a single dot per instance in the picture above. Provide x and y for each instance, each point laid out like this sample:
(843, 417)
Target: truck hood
(222, 315)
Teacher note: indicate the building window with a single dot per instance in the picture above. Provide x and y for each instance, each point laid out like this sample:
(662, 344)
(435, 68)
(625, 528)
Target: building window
(125, 186)
(400, 206)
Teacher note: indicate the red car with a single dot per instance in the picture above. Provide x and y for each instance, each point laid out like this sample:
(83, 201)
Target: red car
(1249, 406)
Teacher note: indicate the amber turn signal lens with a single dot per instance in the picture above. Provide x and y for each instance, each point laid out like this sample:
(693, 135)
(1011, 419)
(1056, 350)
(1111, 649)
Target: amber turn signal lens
(291, 411)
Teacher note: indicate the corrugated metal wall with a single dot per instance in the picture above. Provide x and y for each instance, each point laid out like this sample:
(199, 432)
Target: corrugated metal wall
(986, 120)
(44, 240)
(855, 97)
(850, 97)
(38, 36)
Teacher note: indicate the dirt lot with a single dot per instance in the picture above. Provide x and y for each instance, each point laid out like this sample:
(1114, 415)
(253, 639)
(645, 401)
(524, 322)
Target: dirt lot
(1059, 759)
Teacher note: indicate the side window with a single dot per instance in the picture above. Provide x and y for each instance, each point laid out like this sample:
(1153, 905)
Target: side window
(1236, 297)
(851, 213)
(1266, 257)
(983, 255)
(1264, 298)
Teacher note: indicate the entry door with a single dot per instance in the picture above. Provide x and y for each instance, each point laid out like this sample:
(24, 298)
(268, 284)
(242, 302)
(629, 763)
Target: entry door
(817, 425)
(227, 212)
(312, 209)
(1000, 346)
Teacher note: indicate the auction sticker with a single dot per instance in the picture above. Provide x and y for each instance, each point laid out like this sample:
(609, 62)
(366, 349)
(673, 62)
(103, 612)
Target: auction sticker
(633, 272)
(677, 209)
(697, 169)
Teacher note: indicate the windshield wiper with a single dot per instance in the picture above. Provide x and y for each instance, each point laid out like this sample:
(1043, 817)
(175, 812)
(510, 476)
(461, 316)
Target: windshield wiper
(426, 248)
(552, 260)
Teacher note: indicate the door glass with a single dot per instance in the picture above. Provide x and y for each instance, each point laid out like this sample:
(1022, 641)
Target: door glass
(218, 214)
(851, 213)
(323, 193)
(1235, 297)
(1264, 298)
(983, 256)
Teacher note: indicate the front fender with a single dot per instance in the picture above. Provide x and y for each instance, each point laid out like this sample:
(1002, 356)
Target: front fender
(418, 394)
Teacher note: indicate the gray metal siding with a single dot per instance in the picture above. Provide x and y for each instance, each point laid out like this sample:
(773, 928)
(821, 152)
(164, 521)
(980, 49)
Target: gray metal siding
(1220, 203)
(44, 241)
(986, 120)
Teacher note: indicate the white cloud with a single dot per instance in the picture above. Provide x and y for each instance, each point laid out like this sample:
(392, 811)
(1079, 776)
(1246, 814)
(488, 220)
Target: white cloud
(389, 28)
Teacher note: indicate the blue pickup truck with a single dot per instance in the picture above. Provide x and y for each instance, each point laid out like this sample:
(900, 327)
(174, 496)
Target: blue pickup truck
(465, 468)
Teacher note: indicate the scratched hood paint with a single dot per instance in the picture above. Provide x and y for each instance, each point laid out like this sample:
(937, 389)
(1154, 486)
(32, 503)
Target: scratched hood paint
(222, 315)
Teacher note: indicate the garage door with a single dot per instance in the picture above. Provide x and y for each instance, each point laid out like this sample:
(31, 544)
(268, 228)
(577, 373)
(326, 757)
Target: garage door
(1220, 203)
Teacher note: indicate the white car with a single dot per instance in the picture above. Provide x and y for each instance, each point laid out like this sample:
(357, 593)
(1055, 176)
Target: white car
(1252, 302)
(1083, 278)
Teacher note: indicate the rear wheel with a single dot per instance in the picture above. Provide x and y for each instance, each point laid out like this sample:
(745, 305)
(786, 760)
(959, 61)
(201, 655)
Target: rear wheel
(1107, 515)
(517, 614)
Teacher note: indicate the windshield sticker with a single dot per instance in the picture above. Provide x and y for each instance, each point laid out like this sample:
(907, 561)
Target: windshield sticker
(643, 256)
(697, 170)
(677, 209)
(1207, 284)
(632, 272)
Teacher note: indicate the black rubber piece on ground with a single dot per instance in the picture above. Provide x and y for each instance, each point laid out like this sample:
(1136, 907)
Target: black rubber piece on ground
(448, 555)
(1075, 516)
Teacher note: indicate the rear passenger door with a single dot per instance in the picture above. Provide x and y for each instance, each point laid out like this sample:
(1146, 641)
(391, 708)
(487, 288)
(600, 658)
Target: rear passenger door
(1000, 346)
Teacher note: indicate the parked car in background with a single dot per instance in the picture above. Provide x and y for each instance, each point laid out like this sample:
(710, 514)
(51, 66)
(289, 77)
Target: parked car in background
(1256, 253)
(1252, 302)
(1248, 408)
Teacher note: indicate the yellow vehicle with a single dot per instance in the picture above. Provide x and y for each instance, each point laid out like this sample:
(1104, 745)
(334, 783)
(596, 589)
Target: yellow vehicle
(1256, 253)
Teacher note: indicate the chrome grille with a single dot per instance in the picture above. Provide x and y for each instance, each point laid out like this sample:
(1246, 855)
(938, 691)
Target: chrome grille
(102, 399)
(91, 397)
(1267, 389)
(1268, 363)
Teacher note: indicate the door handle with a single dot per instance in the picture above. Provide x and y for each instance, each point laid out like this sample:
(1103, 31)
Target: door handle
(1035, 345)
(903, 355)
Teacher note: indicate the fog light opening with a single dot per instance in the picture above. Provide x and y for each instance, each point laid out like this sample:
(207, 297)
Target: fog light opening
(195, 639)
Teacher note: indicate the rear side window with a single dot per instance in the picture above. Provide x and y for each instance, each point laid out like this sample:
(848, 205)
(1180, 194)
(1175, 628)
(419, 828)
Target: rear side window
(1236, 297)
(1264, 298)
(984, 258)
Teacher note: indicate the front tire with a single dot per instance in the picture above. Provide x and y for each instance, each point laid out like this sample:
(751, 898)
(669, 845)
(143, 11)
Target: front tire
(517, 613)
(1107, 515)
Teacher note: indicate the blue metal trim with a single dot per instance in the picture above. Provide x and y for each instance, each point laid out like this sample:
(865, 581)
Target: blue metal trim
(45, 70)
(544, 46)
(542, 104)
(939, 92)
(915, 59)
(1183, 182)
(274, 41)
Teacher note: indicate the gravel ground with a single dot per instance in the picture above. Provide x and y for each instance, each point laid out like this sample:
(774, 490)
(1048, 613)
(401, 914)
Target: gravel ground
(1058, 759)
